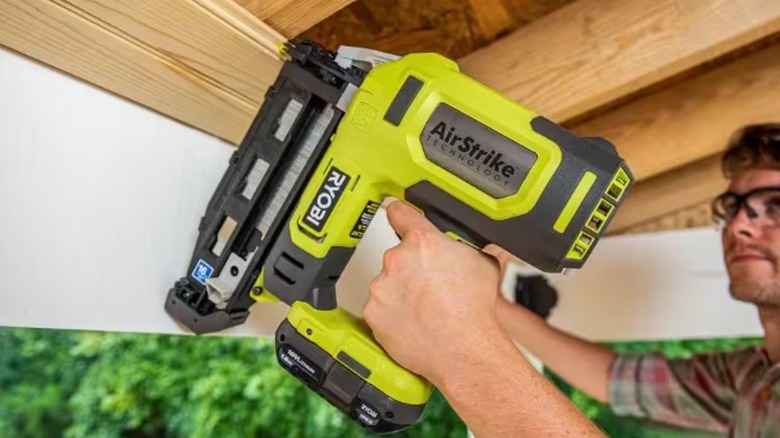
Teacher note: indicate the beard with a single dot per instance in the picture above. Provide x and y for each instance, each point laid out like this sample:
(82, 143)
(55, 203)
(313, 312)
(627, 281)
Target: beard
(756, 282)
(760, 293)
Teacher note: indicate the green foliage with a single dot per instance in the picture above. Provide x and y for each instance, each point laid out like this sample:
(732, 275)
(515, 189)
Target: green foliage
(106, 385)
(626, 427)
(36, 376)
(71, 384)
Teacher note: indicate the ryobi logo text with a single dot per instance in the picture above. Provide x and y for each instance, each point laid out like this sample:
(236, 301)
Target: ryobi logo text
(475, 152)
(327, 196)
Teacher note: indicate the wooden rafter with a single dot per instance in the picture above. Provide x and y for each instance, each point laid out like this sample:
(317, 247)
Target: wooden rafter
(593, 52)
(695, 216)
(672, 139)
(452, 28)
(206, 63)
(291, 17)
(695, 118)
(210, 38)
(492, 17)
(201, 62)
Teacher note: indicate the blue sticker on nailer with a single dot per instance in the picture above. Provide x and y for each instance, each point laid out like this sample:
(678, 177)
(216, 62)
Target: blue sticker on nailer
(202, 272)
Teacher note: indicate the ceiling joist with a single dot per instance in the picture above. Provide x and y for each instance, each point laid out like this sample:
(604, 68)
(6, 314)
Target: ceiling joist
(206, 63)
(594, 52)
(291, 17)
(672, 139)
(693, 119)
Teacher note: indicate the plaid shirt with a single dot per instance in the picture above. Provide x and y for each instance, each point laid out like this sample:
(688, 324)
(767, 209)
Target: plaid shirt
(735, 393)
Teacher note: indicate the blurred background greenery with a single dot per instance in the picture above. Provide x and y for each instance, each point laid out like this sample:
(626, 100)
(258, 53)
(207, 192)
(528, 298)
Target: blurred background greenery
(72, 384)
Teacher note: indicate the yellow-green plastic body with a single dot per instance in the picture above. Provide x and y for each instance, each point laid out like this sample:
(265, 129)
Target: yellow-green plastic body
(383, 160)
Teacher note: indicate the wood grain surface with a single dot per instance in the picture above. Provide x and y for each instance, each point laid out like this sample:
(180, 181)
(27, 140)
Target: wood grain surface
(291, 17)
(593, 52)
(190, 60)
(693, 119)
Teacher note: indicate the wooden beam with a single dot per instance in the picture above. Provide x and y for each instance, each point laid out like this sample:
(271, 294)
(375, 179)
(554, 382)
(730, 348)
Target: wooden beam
(661, 196)
(593, 52)
(203, 62)
(492, 17)
(496, 18)
(291, 17)
(441, 26)
(205, 35)
(693, 119)
(695, 216)
(452, 28)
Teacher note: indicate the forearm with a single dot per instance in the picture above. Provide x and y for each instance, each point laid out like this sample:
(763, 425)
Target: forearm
(498, 393)
(581, 363)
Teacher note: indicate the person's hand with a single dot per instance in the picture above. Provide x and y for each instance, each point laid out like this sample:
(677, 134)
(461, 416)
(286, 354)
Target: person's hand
(435, 299)
(433, 309)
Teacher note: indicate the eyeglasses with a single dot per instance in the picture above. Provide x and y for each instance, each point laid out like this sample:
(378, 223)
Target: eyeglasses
(762, 206)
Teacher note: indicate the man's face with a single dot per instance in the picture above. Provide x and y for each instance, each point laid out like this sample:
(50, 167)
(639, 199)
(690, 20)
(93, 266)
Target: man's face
(751, 247)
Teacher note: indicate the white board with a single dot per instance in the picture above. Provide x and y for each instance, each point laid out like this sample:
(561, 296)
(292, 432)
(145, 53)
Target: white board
(667, 285)
(100, 200)
(99, 203)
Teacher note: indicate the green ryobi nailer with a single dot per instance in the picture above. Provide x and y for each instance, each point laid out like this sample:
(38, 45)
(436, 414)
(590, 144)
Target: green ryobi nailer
(337, 134)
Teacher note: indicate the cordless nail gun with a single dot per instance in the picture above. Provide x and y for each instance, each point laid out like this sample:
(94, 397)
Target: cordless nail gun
(336, 134)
